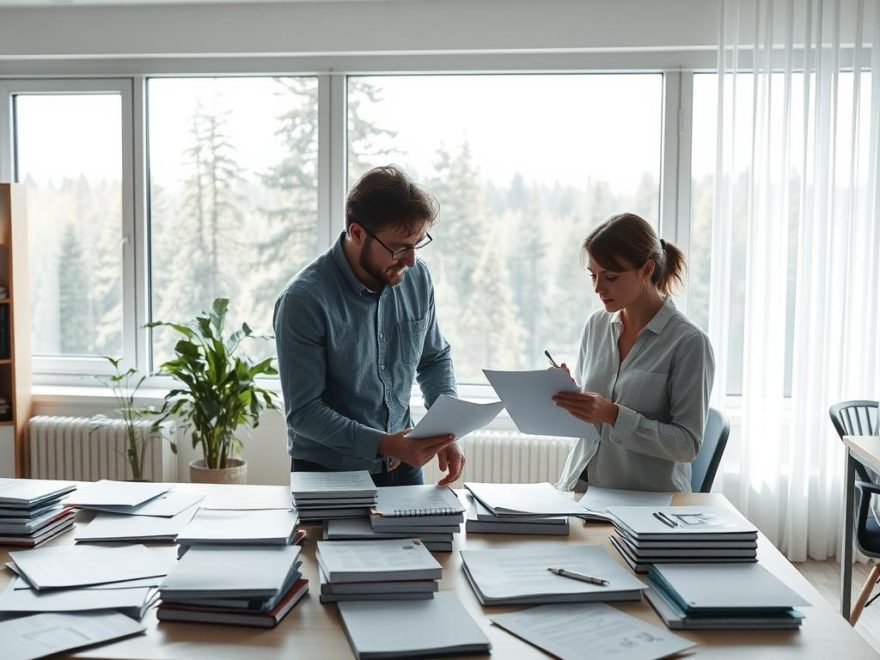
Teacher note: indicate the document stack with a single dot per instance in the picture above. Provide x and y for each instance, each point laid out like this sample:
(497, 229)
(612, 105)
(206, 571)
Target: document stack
(233, 585)
(387, 569)
(414, 511)
(520, 509)
(682, 535)
(481, 520)
(134, 511)
(522, 575)
(353, 529)
(32, 511)
(722, 596)
(320, 496)
(85, 579)
(439, 626)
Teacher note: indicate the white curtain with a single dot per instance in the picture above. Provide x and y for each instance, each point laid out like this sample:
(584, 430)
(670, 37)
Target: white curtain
(795, 274)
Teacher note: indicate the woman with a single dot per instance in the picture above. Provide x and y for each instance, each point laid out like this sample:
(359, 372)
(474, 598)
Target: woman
(644, 369)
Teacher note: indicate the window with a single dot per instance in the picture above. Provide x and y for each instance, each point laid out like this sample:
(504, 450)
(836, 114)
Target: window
(69, 155)
(233, 196)
(524, 166)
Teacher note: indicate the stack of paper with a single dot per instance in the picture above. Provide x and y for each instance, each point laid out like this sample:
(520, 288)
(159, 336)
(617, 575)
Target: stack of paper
(116, 496)
(520, 574)
(218, 527)
(106, 527)
(32, 512)
(412, 511)
(440, 626)
(85, 578)
(354, 529)
(682, 534)
(387, 569)
(237, 585)
(722, 596)
(482, 521)
(537, 500)
(321, 496)
(596, 501)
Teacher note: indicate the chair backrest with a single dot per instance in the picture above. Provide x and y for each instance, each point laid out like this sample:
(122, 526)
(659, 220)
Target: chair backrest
(855, 418)
(705, 465)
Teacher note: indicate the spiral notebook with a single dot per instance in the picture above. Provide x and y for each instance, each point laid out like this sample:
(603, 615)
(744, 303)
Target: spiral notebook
(418, 501)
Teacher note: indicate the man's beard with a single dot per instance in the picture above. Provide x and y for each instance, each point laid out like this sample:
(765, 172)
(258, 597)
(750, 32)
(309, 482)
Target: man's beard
(383, 276)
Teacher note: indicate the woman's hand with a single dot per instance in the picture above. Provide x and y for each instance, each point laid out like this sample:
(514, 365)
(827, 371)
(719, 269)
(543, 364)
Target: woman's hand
(588, 407)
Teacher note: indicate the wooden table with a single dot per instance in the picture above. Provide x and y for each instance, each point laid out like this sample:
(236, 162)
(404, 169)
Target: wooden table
(312, 630)
(865, 450)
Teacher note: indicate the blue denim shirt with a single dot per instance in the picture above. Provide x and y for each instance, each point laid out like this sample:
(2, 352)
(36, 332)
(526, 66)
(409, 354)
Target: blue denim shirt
(348, 356)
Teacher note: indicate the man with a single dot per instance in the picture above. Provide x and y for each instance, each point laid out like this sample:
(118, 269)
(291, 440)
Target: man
(353, 329)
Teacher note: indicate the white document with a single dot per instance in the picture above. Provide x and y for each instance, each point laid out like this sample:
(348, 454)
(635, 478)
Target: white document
(131, 599)
(231, 572)
(231, 497)
(597, 500)
(356, 483)
(45, 634)
(567, 630)
(525, 499)
(271, 527)
(165, 505)
(391, 629)
(115, 527)
(518, 573)
(528, 397)
(373, 561)
(19, 584)
(15, 493)
(421, 500)
(82, 565)
(711, 522)
(451, 415)
(115, 493)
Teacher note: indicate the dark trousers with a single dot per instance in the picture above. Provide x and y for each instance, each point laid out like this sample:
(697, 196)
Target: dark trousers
(404, 475)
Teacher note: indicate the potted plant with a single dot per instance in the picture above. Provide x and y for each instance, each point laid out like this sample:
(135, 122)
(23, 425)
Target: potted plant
(139, 432)
(218, 392)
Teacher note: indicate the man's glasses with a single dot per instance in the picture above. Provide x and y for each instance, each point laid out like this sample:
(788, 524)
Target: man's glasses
(399, 252)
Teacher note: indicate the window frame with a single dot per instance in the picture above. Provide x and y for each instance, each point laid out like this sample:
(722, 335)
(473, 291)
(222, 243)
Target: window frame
(130, 77)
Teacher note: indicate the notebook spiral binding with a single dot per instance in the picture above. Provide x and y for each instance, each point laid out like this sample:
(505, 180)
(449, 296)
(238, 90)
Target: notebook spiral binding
(430, 511)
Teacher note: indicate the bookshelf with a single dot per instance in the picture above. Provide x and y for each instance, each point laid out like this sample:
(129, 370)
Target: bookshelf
(15, 354)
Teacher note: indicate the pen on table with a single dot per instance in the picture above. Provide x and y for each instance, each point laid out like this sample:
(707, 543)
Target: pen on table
(664, 519)
(550, 357)
(574, 575)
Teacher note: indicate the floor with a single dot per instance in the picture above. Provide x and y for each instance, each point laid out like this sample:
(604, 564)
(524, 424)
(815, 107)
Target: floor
(825, 577)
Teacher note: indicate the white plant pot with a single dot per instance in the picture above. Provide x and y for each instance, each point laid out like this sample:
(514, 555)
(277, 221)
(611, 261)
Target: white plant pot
(236, 473)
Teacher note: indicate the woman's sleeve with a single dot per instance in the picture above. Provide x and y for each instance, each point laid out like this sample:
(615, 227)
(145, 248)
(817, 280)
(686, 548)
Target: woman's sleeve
(690, 384)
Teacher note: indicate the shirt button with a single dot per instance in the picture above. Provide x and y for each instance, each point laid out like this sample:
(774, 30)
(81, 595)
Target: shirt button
(381, 336)
(383, 367)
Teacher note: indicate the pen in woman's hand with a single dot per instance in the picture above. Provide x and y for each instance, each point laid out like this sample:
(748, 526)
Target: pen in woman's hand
(550, 357)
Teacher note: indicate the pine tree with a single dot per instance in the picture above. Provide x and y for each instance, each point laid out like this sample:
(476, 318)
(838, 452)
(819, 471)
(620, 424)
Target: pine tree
(75, 317)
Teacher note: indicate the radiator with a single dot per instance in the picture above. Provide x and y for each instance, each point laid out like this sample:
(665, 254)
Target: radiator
(508, 457)
(69, 448)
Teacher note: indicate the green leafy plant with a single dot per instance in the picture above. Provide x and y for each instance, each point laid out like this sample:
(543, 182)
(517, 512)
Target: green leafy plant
(219, 391)
(125, 386)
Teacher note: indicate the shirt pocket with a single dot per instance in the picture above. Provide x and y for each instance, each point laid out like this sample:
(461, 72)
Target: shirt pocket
(646, 393)
(412, 339)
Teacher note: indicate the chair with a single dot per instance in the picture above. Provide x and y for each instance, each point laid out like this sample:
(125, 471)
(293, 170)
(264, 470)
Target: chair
(860, 418)
(706, 463)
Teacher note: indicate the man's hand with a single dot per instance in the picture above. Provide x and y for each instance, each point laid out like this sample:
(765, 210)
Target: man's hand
(588, 406)
(451, 458)
(415, 452)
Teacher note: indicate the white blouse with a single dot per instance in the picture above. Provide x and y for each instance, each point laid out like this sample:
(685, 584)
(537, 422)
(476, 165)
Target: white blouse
(662, 389)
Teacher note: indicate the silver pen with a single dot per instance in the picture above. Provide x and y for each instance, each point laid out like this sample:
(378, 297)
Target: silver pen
(575, 575)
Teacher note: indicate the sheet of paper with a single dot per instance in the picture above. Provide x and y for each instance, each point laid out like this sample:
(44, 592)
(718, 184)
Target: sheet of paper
(14, 600)
(215, 526)
(229, 497)
(609, 634)
(525, 499)
(451, 415)
(598, 499)
(165, 505)
(354, 483)
(44, 634)
(528, 397)
(111, 526)
(115, 493)
(82, 565)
